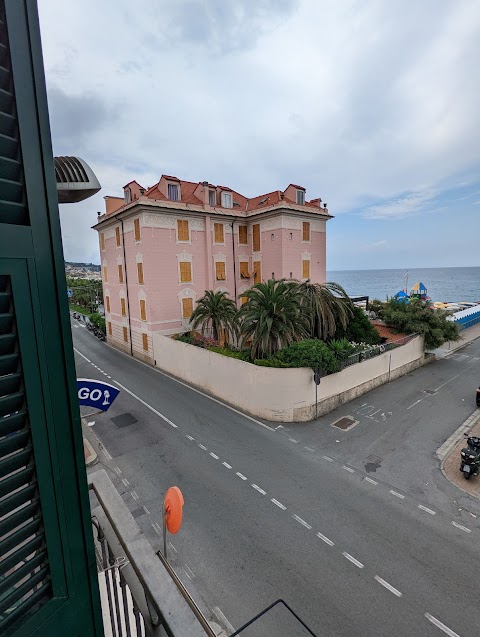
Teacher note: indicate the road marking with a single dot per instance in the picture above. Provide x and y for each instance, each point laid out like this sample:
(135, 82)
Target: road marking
(388, 586)
(463, 528)
(325, 539)
(293, 440)
(146, 510)
(117, 471)
(255, 486)
(108, 376)
(172, 547)
(305, 524)
(157, 528)
(134, 495)
(415, 403)
(240, 475)
(126, 482)
(202, 447)
(190, 438)
(214, 455)
(279, 427)
(371, 480)
(77, 326)
(398, 495)
(348, 469)
(107, 455)
(420, 506)
(80, 353)
(223, 619)
(279, 504)
(327, 458)
(309, 449)
(147, 405)
(352, 560)
(225, 464)
(439, 624)
(189, 571)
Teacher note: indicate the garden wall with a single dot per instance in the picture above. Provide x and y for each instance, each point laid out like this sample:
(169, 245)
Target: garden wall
(282, 395)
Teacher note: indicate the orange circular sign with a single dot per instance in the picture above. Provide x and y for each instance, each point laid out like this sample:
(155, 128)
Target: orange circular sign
(173, 505)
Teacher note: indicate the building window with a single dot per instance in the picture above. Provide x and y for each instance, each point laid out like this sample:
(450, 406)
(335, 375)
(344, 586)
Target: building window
(305, 269)
(125, 335)
(173, 192)
(109, 328)
(256, 237)
(120, 273)
(257, 272)
(243, 235)
(243, 299)
(105, 274)
(227, 200)
(291, 275)
(136, 225)
(244, 273)
(140, 273)
(117, 235)
(145, 342)
(300, 197)
(102, 240)
(183, 233)
(273, 276)
(128, 195)
(124, 307)
(290, 236)
(272, 237)
(187, 308)
(306, 231)
(212, 198)
(143, 310)
(107, 303)
(185, 272)
(220, 271)
(218, 233)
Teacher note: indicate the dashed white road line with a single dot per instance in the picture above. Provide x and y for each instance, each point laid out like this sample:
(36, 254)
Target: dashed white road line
(293, 440)
(462, 528)
(325, 539)
(189, 571)
(214, 455)
(388, 586)
(255, 486)
(371, 480)
(305, 524)
(426, 509)
(279, 504)
(172, 547)
(108, 456)
(225, 464)
(80, 354)
(448, 631)
(309, 449)
(108, 376)
(396, 494)
(134, 495)
(157, 528)
(349, 469)
(146, 510)
(352, 559)
(190, 438)
(167, 420)
(223, 619)
(117, 471)
(327, 458)
(240, 475)
(126, 482)
(202, 447)
(415, 403)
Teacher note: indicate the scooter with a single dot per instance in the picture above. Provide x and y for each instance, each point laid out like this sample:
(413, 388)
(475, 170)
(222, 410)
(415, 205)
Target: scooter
(470, 457)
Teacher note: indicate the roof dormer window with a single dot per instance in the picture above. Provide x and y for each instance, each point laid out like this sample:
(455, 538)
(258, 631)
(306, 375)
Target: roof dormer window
(212, 198)
(300, 197)
(128, 195)
(227, 200)
(173, 192)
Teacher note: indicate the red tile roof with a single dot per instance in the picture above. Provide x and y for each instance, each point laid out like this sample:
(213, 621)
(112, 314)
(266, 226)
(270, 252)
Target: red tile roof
(387, 332)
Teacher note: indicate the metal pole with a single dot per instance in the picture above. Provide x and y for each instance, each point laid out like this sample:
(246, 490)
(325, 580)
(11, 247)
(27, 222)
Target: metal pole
(165, 534)
(389, 365)
(316, 401)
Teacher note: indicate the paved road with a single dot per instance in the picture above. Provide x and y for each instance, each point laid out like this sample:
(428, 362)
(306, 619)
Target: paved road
(357, 546)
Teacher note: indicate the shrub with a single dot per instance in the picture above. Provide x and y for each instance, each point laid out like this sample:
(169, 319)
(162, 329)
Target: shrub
(270, 362)
(359, 329)
(341, 348)
(99, 321)
(231, 353)
(309, 353)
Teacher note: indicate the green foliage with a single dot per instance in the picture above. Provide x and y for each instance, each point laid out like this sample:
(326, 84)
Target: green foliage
(310, 353)
(87, 293)
(270, 362)
(359, 329)
(273, 317)
(99, 321)
(419, 317)
(341, 348)
(376, 306)
(216, 311)
(329, 307)
(231, 353)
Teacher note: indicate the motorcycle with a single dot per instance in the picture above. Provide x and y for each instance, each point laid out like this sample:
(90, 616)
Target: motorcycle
(470, 457)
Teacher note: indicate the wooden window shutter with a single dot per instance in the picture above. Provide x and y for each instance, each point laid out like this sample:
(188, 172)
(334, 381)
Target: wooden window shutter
(124, 307)
(143, 310)
(117, 235)
(185, 271)
(306, 231)
(125, 334)
(136, 225)
(107, 303)
(140, 273)
(145, 342)
(120, 273)
(182, 230)
(105, 274)
(220, 271)
(187, 308)
(102, 240)
(242, 234)
(109, 328)
(219, 232)
(305, 269)
(257, 272)
(256, 237)
(244, 273)
(244, 300)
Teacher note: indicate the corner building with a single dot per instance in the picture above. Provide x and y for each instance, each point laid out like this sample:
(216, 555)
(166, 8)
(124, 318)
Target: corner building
(162, 247)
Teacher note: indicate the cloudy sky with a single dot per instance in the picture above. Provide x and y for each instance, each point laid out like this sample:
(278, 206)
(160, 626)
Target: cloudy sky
(373, 105)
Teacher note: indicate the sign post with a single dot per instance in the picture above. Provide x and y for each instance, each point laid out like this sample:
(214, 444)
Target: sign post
(317, 376)
(96, 393)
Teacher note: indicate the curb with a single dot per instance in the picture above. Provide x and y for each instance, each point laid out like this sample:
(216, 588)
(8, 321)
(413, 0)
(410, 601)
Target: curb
(450, 443)
(90, 455)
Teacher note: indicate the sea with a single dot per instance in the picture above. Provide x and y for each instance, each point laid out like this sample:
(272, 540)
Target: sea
(452, 285)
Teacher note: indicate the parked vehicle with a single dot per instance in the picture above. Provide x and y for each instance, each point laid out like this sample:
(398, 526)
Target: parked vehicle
(478, 397)
(470, 457)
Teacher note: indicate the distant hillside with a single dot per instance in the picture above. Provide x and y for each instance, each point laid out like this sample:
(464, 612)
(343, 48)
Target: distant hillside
(90, 267)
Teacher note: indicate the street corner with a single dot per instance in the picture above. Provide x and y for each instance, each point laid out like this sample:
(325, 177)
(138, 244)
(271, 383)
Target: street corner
(451, 462)
(89, 453)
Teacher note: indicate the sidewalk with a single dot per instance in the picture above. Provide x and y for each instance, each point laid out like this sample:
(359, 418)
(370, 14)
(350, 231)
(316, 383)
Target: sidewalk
(449, 454)
(466, 336)
(88, 451)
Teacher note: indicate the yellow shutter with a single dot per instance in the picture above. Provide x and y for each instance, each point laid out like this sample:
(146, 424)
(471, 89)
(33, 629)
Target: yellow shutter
(220, 271)
(182, 230)
(218, 232)
(305, 269)
(109, 328)
(102, 241)
(244, 273)
(187, 308)
(140, 273)
(107, 303)
(124, 307)
(136, 225)
(105, 274)
(117, 235)
(256, 237)
(242, 234)
(185, 271)
(143, 310)
(120, 274)
(244, 300)
(257, 272)
(306, 231)
(125, 335)
(145, 342)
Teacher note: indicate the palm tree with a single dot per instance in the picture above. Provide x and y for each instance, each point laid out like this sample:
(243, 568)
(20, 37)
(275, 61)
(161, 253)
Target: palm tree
(328, 305)
(216, 311)
(273, 317)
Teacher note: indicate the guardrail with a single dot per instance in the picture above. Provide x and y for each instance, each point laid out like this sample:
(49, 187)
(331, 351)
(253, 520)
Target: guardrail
(375, 350)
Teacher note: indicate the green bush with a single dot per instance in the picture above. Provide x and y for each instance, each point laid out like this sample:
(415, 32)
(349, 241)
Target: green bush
(341, 348)
(231, 353)
(270, 362)
(310, 353)
(359, 329)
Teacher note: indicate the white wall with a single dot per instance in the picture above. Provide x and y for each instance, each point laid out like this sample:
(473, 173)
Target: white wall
(282, 395)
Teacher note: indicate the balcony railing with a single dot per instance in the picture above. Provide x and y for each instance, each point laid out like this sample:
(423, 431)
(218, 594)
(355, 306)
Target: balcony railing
(141, 596)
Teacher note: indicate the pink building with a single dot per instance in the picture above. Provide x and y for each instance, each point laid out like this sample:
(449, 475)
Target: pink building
(161, 249)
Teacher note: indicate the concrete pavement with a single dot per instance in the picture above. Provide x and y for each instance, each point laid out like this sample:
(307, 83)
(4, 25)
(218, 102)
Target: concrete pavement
(451, 458)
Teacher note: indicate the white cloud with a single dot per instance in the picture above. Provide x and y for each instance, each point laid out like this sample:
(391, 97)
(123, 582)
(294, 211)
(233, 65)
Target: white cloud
(401, 207)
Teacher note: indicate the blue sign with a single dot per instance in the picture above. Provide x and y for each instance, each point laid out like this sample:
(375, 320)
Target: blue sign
(95, 393)
(69, 293)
